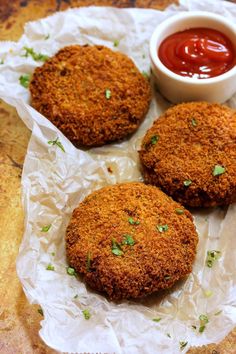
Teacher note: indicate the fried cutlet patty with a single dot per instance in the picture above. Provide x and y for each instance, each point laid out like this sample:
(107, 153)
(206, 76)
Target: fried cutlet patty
(190, 153)
(91, 93)
(130, 240)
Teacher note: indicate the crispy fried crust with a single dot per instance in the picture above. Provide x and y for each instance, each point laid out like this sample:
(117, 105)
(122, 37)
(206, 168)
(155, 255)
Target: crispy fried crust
(72, 90)
(192, 139)
(155, 261)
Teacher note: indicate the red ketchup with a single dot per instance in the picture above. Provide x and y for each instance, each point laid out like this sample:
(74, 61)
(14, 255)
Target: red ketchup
(200, 53)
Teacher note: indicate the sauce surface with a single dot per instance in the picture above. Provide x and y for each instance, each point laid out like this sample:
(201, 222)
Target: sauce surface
(200, 53)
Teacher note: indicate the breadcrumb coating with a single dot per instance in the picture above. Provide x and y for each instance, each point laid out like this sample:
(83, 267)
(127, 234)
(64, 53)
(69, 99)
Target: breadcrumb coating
(193, 155)
(155, 237)
(91, 93)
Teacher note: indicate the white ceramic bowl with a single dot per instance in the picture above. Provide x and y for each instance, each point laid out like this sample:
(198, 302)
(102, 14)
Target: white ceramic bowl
(177, 88)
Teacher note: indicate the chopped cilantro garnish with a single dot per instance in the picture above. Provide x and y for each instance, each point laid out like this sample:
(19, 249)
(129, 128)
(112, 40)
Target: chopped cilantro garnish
(218, 313)
(53, 254)
(116, 43)
(145, 74)
(143, 56)
(50, 267)
(187, 182)
(47, 36)
(162, 228)
(35, 56)
(2, 62)
(128, 240)
(40, 310)
(154, 139)
(76, 296)
(182, 344)
(88, 261)
(203, 321)
(108, 94)
(179, 211)
(116, 248)
(208, 293)
(24, 80)
(56, 142)
(156, 319)
(212, 256)
(168, 335)
(71, 271)
(46, 228)
(194, 122)
(133, 222)
(86, 314)
(218, 170)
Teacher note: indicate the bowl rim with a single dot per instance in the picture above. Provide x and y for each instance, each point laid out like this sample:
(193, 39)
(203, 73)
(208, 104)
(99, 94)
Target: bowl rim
(177, 18)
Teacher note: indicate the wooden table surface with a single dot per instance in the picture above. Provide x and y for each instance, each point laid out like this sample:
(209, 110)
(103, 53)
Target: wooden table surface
(20, 321)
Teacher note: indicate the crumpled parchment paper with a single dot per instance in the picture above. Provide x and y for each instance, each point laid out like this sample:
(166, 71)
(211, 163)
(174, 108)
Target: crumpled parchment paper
(54, 182)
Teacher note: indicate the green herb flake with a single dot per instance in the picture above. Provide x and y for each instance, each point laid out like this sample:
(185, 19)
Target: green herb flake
(88, 261)
(116, 43)
(86, 314)
(108, 94)
(143, 56)
(203, 321)
(40, 311)
(1, 62)
(24, 80)
(182, 344)
(47, 36)
(218, 170)
(168, 335)
(50, 267)
(35, 56)
(154, 139)
(116, 248)
(179, 211)
(194, 122)
(71, 271)
(76, 296)
(46, 228)
(128, 240)
(145, 74)
(56, 142)
(208, 293)
(53, 254)
(187, 182)
(218, 313)
(133, 222)
(212, 256)
(162, 228)
(158, 319)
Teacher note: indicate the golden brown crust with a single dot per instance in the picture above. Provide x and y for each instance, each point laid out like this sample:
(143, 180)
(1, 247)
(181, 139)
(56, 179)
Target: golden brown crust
(70, 90)
(155, 261)
(192, 139)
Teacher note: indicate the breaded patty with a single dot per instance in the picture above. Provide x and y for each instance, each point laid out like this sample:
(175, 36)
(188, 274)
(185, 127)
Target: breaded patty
(91, 93)
(190, 153)
(130, 240)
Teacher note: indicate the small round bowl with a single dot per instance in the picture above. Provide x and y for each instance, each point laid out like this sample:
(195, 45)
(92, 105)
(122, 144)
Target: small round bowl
(177, 88)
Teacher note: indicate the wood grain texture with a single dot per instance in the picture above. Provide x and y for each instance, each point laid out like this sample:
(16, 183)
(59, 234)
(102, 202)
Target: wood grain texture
(19, 321)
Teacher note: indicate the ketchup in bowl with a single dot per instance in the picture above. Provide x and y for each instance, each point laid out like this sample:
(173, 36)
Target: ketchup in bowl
(200, 53)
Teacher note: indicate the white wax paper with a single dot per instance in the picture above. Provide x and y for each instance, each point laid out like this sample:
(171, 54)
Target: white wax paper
(54, 182)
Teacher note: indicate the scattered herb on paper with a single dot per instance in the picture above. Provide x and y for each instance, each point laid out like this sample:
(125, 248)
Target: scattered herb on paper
(47, 36)
(46, 228)
(208, 293)
(143, 56)
(76, 296)
(71, 271)
(218, 170)
(158, 319)
(116, 248)
(182, 345)
(187, 182)
(50, 267)
(2, 62)
(53, 254)
(24, 80)
(168, 335)
(162, 228)
(203, 321)
(212, 256)
(56, 142)
(108, 94)
(34, 55)
(218, 313)
(86, 314)
(116, 43)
